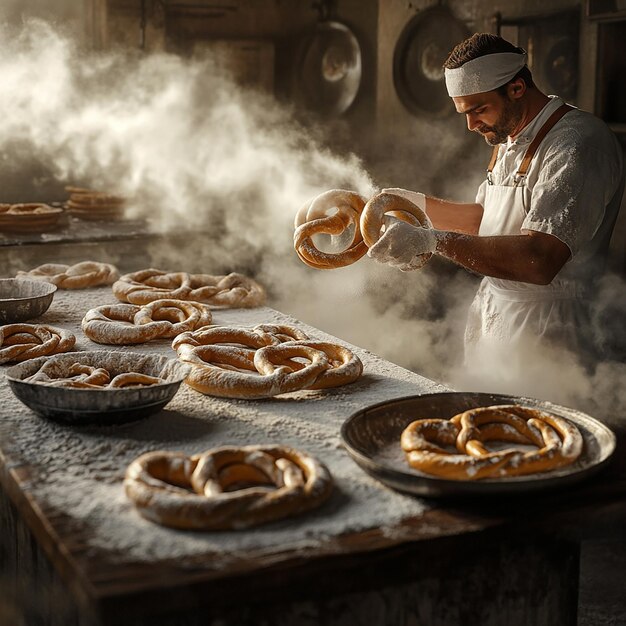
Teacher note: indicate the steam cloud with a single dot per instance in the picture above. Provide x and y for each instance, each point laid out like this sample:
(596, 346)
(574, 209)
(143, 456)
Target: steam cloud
(190, 147)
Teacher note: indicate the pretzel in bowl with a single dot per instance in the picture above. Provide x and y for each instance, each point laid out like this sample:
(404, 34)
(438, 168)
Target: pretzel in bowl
(555, 442)
(20, 342)
(76, 375)
(123, 324)
(80, 376)
(262, 362)
(230, 291)
(79, 276)
(331, 213)
(226, 488)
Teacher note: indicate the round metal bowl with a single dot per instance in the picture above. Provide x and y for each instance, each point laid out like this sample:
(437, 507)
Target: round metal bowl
(372, 438)
(22, 300)
(99, 406)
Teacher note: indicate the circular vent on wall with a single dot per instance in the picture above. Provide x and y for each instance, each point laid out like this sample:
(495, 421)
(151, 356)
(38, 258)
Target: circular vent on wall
(329, 73)
(418, 60)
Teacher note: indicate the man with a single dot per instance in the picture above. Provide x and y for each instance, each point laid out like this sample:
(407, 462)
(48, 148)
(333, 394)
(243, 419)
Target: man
(540, 227)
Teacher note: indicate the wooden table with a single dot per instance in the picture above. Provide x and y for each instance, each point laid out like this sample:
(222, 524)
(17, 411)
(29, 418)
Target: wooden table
(74, 550)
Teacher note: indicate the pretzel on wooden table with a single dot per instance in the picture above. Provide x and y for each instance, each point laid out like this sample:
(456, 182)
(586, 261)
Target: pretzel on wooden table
(262, 362)
(20, 342)
(227, 487)
(78, 276)
(231, 291)
(123, 324)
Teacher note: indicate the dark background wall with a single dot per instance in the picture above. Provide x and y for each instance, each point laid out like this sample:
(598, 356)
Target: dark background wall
(423, 146)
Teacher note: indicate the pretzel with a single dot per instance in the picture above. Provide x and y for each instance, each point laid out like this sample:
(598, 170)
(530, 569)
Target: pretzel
(226, 488)
(133, 379)
(351, 211)
(256, 337)
(20, 342)
(280, 332)
(213, 379)
(344, 366)
(76, 375)
(79, 276)
(80, 376)
(124, 324)
(558, 443)
(232, 290)
(314, 218)
(237, 344)
(372, 218)
(261, 362)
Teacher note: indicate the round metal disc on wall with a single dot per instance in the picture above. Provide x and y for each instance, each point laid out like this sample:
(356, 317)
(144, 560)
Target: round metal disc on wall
(329, 73)
(422, 48)
(561, 67)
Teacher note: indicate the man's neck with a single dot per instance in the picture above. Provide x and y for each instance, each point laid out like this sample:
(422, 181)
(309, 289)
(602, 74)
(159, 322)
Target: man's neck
(534, 103)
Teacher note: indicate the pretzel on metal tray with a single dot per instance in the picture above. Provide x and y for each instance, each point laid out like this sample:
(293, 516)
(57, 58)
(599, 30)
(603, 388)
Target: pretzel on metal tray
(227, 487)
(230, 291)
(123, 324)
(334, 212)
(263, 362)
(555, 442)
(20, 342)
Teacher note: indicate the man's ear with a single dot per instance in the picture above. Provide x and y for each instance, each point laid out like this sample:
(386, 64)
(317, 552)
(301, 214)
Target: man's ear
(516, 89)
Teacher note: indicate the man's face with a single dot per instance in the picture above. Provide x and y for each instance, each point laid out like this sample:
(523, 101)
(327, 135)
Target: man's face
(493, 115)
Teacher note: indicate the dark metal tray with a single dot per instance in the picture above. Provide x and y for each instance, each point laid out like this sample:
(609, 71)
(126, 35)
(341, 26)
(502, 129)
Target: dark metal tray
(372, 438)
(23, 299)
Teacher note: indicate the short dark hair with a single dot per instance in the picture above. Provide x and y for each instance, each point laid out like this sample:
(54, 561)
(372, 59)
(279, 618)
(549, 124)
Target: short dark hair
(481, 44)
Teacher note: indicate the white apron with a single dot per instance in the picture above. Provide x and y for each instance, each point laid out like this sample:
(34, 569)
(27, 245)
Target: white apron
(507, 315)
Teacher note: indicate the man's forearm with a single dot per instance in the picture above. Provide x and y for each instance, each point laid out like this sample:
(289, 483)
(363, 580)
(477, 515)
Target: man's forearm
(454, 216)
(535, 258)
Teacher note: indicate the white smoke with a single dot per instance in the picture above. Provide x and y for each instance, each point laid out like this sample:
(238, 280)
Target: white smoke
(192, 149)
(556, 373)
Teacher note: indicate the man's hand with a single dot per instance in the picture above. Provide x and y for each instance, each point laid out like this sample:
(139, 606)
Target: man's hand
(402, 246)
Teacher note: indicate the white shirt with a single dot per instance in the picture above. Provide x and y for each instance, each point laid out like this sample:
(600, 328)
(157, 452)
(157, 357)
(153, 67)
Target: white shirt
(572, 188)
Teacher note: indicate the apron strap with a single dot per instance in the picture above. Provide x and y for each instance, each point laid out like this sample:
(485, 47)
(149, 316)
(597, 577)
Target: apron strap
(532, 148)
(494, 158)
(543, 131)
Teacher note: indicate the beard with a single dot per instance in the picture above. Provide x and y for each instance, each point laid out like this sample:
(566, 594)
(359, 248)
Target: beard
(504, 125)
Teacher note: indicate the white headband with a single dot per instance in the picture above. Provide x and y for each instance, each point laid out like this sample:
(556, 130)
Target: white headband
(485, 73)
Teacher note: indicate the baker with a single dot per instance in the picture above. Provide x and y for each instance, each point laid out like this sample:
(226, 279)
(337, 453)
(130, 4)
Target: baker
(540, 226)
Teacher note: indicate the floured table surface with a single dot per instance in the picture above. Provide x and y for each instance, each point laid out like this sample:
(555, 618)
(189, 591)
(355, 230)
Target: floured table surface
(67, 481)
